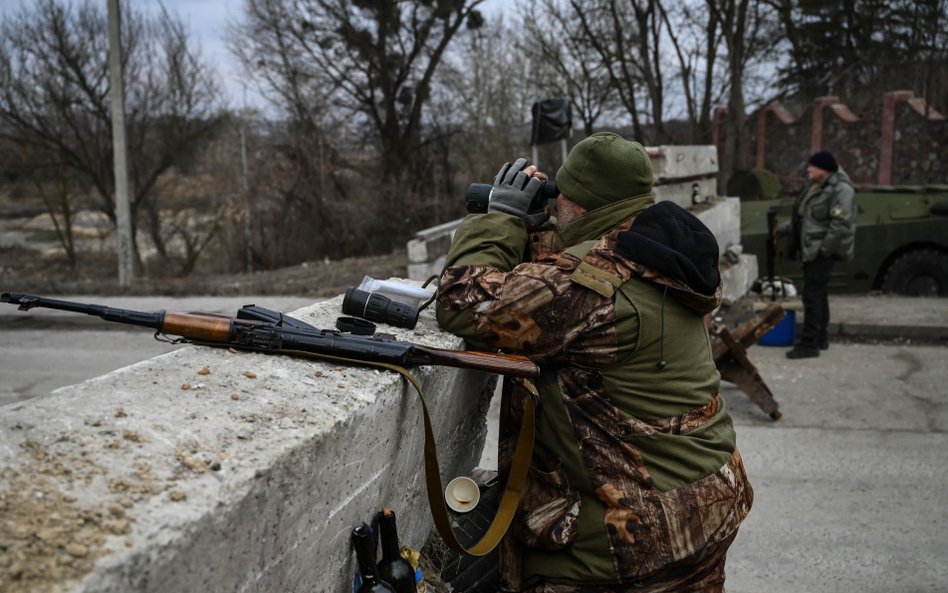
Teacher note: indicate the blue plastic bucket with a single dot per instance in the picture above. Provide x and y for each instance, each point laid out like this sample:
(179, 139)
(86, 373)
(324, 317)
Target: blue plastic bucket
(781, 334)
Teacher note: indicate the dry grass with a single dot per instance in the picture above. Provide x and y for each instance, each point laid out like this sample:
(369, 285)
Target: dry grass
(24, 271)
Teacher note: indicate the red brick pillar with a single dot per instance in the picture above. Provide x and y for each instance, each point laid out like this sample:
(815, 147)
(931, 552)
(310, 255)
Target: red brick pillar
(762, 136)
(816, 132)
(717, 137)
(781, 113)
(887, 142)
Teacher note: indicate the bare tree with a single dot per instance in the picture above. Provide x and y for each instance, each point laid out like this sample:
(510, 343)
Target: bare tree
(482, 97)
(695, 38)
(54, 97)
(565, 63)
(741, 23)
(374, 60)
(627, 35)
(29, 168)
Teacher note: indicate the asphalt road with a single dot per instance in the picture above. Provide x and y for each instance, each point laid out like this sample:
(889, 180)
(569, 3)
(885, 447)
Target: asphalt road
(851, 483)
(43, 349)
(35, 362)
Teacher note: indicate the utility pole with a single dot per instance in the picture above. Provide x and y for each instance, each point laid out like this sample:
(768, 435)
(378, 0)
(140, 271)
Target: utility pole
(245, 191)
(123, 214)
(245, 186)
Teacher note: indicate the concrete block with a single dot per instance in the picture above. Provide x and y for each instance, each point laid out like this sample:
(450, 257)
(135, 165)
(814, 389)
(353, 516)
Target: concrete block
(423, 271)
(417, 251)
(737, 278)
(675, 162)
(445, 228)
(683, 192)
(426, 250)
(723, 217)
(212, 470)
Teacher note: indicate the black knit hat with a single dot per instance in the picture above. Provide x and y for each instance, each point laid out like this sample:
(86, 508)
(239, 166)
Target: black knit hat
(824, 160)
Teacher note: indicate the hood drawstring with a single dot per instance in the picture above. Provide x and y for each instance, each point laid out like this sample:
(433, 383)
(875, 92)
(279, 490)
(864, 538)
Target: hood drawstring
(661, 339)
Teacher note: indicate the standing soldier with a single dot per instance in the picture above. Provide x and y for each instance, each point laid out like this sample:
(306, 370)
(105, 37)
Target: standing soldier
(823, 229)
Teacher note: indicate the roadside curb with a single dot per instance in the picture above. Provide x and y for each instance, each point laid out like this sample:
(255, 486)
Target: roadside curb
(879, 317)
(888, 332)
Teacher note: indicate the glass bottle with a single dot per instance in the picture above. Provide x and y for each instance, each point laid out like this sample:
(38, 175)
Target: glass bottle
(364, 545)
(392, 567)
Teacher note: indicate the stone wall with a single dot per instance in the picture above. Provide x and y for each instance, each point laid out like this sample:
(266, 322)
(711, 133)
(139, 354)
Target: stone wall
(920, 152)
(915, 150)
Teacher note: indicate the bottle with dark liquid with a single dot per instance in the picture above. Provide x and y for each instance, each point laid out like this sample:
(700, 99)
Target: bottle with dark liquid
(364, 545)
(392, 567)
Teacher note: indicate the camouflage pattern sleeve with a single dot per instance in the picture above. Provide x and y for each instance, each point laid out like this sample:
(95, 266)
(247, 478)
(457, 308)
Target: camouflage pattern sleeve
(530, 308)
(533, 309)
(494, 240)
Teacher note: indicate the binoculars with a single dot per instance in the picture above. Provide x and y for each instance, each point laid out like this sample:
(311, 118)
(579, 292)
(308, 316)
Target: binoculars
(386, 301)
(477, 197)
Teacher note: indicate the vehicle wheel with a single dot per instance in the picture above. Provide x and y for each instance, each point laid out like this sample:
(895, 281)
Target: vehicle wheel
(922, 272)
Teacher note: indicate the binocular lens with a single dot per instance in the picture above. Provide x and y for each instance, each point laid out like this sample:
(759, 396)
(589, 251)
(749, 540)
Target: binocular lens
(379, 308)
(477, 196)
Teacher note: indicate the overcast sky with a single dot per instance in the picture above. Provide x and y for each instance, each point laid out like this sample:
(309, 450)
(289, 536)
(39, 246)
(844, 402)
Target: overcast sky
(207, 22)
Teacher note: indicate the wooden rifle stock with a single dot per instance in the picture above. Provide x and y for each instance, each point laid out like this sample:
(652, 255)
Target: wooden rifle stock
(262, 329)
(512, 365)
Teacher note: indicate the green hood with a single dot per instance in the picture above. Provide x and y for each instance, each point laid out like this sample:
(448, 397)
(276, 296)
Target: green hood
(599, 222)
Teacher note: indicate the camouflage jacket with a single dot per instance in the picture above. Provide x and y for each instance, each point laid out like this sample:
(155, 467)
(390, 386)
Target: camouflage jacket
(635, 465)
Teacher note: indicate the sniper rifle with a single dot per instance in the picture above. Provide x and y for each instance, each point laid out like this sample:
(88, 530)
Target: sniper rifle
(257, 328)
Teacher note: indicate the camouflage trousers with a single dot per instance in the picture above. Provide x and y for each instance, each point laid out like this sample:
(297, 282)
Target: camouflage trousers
(702, 573)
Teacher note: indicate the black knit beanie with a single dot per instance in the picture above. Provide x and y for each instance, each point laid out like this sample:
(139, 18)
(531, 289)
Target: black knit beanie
(824, 160)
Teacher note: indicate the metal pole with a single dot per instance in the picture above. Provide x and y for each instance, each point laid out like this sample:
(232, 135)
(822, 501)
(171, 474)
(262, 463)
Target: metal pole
(245, 185)
(123, 214)
(245, 190)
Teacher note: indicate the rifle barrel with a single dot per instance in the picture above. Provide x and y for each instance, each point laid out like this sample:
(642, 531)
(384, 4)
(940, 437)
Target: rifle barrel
(29, 301)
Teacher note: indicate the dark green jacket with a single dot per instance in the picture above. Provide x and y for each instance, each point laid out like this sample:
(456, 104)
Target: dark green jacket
(635, 465)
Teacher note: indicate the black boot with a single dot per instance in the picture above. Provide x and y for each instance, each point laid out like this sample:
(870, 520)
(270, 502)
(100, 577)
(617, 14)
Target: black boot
(803, 352)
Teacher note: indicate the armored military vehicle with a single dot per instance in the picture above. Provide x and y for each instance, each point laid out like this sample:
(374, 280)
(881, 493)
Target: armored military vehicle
(901, 236)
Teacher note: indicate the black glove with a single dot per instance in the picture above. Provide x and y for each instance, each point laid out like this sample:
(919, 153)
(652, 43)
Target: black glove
(514, 192)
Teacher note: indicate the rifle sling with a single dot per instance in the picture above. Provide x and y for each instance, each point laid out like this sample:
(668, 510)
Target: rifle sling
(516, 478)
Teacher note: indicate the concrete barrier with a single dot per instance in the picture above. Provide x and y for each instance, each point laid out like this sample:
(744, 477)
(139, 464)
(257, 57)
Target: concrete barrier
(428, 251)
(685, 175)
(677, 162)
(722, 216)
(208, 470)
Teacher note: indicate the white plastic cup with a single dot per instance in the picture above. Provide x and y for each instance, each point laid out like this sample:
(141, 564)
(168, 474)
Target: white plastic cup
(462, 494)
